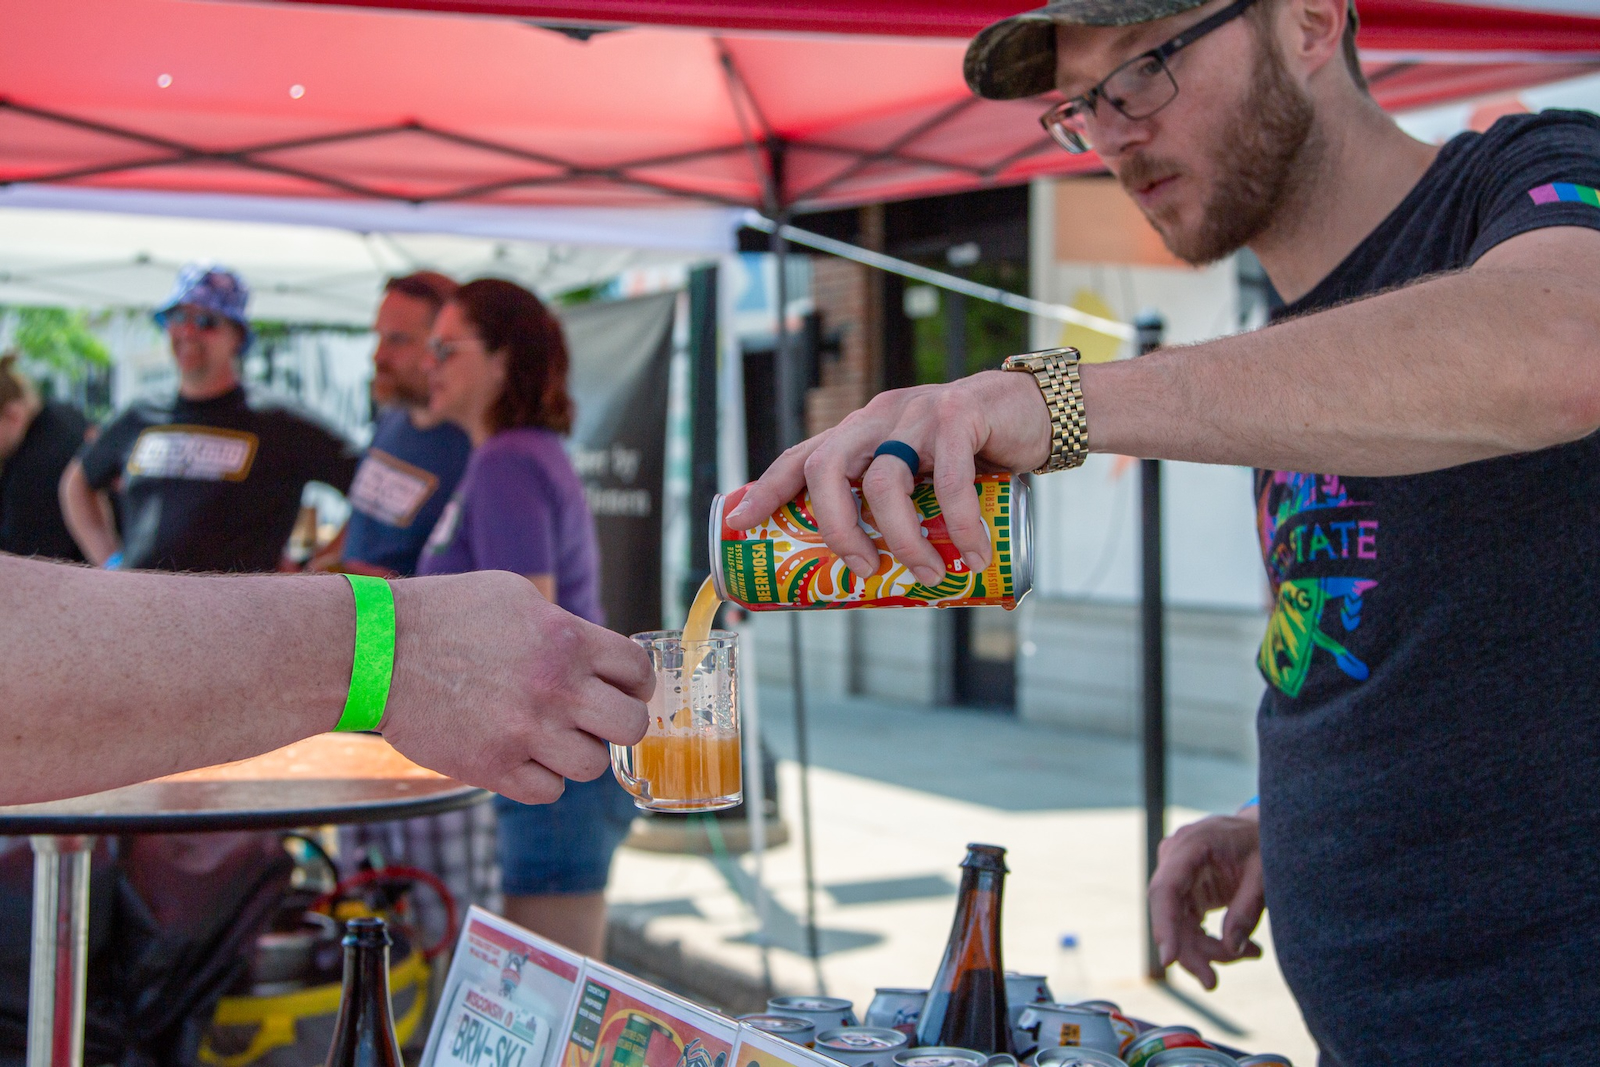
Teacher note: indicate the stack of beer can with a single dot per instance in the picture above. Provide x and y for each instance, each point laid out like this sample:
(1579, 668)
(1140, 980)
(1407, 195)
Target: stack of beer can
(1093, 1033)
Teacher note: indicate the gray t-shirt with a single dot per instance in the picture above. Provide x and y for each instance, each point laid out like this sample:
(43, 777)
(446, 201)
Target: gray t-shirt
(1430, 736)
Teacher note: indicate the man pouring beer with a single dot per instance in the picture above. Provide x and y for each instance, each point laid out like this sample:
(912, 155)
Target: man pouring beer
(1422, 417)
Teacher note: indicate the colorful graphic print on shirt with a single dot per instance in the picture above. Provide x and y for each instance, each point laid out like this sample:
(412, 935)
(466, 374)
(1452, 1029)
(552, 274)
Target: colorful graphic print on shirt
(196, 453)
(389, 489)
(1565, 193)
(1320, 548)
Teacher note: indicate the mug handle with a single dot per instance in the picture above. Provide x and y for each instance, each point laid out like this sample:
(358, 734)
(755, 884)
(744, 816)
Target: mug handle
(622, 768)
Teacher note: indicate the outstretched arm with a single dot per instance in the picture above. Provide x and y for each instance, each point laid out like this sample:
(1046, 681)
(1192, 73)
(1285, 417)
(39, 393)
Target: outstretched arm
(114, 678)
(1486, 362)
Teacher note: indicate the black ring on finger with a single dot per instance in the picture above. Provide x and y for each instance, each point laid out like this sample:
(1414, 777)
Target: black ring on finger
(901, 451)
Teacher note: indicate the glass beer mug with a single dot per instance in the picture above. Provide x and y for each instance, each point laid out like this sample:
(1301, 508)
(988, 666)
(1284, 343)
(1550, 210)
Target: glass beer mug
(689, 759)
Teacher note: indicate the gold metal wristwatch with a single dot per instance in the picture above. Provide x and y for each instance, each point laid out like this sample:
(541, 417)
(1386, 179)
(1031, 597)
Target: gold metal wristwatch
(1056, 370)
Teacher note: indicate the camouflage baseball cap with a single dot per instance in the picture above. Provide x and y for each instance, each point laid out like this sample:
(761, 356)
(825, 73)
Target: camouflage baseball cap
(1016, 57)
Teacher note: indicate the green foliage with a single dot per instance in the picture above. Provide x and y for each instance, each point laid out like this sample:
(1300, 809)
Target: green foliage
(584, 294)
(993, 332)
(58, 339)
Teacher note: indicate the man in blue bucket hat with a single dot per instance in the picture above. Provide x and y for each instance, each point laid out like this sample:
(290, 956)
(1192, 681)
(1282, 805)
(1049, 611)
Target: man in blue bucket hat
(210, 480)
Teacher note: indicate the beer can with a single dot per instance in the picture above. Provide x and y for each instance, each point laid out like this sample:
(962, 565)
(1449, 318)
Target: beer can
(939, 1056)
(824, 1013)
(1147, 1044)
(1049, 1025)
(1266, 1059)
(1191, 1057)
(789, 1027)
(897, 1009)
(1124, 1026)
(862, 1046)
(783, 562)
(1025, 989)
(1022, 990)
(1068, 1056)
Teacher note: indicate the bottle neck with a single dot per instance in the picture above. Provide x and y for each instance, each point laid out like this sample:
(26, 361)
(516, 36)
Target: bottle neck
(364, 999)
(977, 922)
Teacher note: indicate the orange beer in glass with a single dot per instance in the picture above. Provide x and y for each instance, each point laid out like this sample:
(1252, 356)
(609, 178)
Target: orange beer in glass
(690, 757)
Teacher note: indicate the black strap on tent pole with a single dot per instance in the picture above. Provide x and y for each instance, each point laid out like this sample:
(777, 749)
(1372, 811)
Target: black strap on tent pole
(1152, 658)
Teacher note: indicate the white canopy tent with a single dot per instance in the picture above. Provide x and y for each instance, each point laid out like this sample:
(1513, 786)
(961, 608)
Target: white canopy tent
(320, 261)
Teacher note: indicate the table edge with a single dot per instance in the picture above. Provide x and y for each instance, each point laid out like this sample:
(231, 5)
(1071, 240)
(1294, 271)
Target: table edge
(206, 822)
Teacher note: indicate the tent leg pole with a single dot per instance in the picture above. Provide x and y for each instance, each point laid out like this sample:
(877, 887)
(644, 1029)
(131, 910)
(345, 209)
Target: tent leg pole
(1152, 657)
(790, 429)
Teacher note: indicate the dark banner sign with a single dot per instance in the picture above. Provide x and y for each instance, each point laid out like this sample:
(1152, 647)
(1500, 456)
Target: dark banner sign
(621, 351)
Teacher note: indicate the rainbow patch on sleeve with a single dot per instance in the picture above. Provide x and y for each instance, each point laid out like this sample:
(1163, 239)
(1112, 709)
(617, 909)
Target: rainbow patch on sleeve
(1565, 192)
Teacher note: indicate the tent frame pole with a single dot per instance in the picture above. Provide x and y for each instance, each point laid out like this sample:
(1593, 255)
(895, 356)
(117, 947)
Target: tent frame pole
(1152, 661)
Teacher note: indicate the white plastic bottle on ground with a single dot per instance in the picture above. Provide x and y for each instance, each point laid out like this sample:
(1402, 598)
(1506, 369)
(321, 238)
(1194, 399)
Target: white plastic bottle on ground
(1069, 980)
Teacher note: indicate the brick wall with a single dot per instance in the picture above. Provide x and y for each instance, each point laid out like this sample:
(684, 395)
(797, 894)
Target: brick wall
(840, 291)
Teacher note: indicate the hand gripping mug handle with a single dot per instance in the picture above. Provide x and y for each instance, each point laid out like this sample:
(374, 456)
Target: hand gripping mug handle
(621, 766)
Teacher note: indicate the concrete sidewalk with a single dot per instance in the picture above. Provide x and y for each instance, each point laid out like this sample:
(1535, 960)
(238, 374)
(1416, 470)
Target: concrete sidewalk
(897, 792)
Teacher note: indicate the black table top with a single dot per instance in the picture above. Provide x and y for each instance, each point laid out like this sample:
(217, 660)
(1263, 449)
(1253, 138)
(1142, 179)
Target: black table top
(333, 778)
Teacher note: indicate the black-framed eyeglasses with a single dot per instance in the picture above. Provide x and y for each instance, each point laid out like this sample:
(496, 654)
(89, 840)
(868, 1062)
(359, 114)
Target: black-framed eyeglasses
(200, 320)
(1138, 88)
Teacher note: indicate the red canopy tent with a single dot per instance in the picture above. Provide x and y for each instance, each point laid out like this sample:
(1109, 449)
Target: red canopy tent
(1389, 25)
(297, 99)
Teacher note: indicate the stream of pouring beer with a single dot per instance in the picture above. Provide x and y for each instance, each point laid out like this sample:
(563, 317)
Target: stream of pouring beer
(696, 632)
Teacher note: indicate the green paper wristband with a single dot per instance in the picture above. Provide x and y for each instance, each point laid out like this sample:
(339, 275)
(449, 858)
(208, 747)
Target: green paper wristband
(372, 667)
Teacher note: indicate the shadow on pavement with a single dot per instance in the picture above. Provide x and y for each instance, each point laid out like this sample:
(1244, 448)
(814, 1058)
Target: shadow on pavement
(992, 759)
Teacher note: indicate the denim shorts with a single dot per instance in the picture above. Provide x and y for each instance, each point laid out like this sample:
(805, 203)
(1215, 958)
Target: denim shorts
(563, 847)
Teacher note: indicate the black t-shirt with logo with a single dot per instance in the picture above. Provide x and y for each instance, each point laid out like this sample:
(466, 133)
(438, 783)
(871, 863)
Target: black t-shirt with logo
(30, 507)
(214, 485)
(1430, 735)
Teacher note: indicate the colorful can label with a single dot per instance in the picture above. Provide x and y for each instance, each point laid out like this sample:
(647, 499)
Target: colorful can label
(1153, 1041)
(783, 563)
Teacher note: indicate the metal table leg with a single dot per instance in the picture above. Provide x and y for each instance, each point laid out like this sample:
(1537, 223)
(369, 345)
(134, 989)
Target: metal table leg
(60, 949)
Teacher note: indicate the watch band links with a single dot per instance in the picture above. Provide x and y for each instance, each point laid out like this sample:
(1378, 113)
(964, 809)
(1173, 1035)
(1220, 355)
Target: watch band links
(1056, 371)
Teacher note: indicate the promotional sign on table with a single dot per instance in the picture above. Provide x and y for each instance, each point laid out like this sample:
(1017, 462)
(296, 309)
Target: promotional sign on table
(507, 1001)
(622, 1022)
(759, 1049)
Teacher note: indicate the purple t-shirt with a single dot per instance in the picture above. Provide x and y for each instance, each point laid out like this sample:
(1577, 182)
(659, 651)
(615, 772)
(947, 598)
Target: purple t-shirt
(520, 507)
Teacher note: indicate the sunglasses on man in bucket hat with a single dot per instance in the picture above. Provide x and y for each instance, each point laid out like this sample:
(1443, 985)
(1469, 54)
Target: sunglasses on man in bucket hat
(205, 296)
(1016, 58)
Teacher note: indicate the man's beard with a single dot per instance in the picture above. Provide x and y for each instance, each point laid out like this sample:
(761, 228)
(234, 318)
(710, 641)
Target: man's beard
(1258, 167)
(389, 389)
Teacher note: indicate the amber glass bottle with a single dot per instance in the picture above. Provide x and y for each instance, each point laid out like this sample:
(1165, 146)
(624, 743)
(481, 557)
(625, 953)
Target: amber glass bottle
(966, 1004)
(364, 1034)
